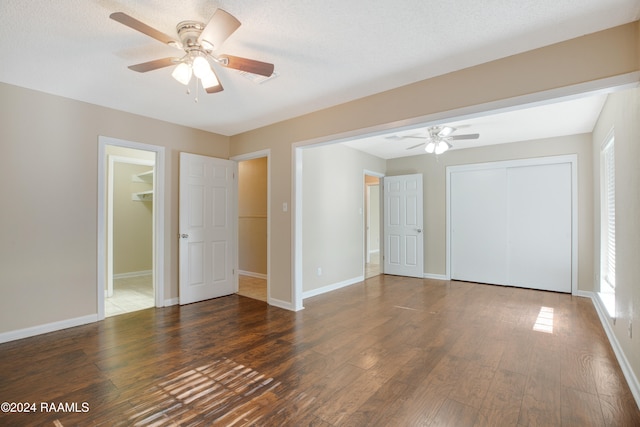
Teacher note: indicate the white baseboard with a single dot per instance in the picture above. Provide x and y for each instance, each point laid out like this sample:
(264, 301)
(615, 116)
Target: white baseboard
(627, 371)
(435, 276)
(132, 274)
(171, 301)
(252, 274)
(281, 304)
(47, 327)
(329, 288)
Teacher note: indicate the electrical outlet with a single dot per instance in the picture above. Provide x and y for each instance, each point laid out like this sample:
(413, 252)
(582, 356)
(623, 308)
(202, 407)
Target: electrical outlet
(319, 271)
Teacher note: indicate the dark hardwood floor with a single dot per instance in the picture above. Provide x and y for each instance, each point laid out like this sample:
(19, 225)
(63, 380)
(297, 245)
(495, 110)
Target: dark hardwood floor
(390, 351)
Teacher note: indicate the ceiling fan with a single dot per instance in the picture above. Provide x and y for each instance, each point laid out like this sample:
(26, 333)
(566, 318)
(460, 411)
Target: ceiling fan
(437, 139)
(199, 43)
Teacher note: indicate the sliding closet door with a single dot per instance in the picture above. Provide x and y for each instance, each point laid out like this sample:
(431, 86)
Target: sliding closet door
(511, 223)
(478, 232)
(539, 226)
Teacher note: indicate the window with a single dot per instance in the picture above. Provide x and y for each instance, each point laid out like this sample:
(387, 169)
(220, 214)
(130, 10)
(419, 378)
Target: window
(608, 218)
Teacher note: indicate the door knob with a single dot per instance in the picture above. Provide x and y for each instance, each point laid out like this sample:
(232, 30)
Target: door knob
(184, 236)
(419, 230)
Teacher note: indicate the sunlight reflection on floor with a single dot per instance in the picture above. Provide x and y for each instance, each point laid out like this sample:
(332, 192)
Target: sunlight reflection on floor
(544, 322)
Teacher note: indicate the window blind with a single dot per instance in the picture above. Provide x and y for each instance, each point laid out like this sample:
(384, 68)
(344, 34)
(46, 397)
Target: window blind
(610, 212)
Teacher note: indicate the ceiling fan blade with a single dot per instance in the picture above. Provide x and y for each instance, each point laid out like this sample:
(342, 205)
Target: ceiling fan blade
(217, 88)
(221, 25)
(248, 65)
(154, 65)
(446, 131)
(415, 146)
(468, 136)
(132, 22)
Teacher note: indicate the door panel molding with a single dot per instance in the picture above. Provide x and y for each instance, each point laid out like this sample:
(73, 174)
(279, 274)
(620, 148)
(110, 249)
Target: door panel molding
(403, 229)
(207, 228)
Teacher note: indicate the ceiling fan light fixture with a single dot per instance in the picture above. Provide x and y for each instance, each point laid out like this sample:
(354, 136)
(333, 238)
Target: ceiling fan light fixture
(201, 67)
(182, 73)
(430, 147)
(441, 147)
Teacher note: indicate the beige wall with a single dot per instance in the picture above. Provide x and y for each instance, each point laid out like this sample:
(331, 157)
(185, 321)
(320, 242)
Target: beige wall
(622, 114)
(132, 221)
(48, 183)
(434, 183)
(252, 215)
(610, 53)
(333, 213)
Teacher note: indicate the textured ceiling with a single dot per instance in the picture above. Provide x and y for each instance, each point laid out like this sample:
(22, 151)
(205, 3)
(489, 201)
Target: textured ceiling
(325, 52)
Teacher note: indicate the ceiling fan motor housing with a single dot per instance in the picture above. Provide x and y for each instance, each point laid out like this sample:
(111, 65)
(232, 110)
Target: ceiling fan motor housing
(188, 32)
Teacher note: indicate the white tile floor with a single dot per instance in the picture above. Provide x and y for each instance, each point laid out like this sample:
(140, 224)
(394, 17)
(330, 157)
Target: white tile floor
(130, 294)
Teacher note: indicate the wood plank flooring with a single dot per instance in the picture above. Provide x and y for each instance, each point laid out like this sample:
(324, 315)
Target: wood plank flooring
(389, 351)
(252, 287)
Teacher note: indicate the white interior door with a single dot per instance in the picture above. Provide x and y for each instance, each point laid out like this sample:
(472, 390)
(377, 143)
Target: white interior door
(403, 236)
(207, 228)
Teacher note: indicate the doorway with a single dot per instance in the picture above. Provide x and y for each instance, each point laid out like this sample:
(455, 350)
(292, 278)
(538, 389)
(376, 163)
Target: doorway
(253, 225)
(372, 245)
(130, 227)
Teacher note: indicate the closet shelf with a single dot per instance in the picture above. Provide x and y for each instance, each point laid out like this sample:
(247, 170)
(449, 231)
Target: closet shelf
(146, 178)
(143, 196)
(143, 177)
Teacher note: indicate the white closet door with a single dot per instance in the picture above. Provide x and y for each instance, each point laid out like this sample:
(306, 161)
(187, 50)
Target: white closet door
(478, 232)
(539, 226)
(511, 224)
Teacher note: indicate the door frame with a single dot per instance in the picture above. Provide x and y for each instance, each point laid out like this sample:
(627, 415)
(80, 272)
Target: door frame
(367, 204)
(158, 218)
(112, 161)
(240, 158)
(569, 158)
